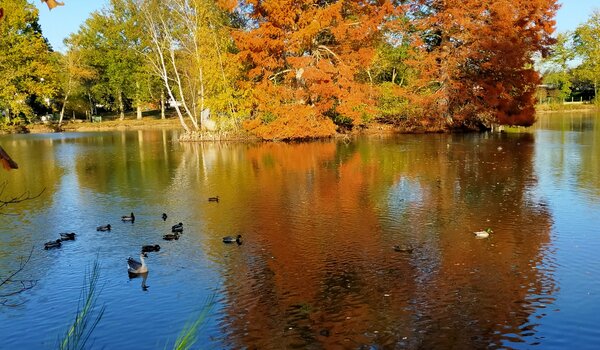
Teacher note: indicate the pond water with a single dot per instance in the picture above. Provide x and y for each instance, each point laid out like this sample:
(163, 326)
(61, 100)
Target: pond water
(317, 268)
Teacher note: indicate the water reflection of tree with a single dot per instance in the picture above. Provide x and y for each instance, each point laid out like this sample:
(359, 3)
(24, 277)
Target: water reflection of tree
(126, 162)
(575, 156)
(326, 217)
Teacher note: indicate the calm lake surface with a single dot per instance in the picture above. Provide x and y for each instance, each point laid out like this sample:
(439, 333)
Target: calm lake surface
(317, 268)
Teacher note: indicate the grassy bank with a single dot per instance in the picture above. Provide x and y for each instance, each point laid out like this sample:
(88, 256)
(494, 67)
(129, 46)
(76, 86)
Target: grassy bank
(565, 107)
(79, 125)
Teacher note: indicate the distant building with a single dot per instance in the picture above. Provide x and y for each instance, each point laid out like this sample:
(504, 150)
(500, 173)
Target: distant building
(173, 103)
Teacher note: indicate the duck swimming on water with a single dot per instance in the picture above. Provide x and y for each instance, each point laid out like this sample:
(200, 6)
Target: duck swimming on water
(164, 216)
(52, 244)
(136, 267)
(177, 228)
(213, 199)
(403, 249)
(150, 248)
(103, 228)
(483, 234)
(130, 218)
(171, 236)
(67, 236)
(231, 239)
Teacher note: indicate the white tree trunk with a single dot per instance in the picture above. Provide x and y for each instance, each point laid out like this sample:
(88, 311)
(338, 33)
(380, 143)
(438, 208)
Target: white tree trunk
(121, 107)
(138, 102)
(162, 104)
(62, 109)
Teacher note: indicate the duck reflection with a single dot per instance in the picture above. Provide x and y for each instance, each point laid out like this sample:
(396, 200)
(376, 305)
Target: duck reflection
(144, 277)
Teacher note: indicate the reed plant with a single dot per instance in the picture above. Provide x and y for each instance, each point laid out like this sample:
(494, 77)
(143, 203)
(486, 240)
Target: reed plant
(189, 335)
(87, 317)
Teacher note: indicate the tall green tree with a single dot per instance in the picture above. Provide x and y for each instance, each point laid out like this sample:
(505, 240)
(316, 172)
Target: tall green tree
(556, 71)
(27, 69)
(587, 45)
(72, 77)
(190, 50)
(108, 43)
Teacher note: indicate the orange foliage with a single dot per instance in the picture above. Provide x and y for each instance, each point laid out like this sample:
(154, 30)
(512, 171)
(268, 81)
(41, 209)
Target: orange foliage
(308, 62)
(291, 122)
(303, 57)
(477, 58)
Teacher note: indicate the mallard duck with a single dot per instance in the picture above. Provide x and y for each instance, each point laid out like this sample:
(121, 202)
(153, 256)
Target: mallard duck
(171, 236)
(150, 248)
(177, 228)
(103, 228)
(403, 249)
(483, 234)
(128, 218)
(52, 244)
(164, 216)
(67, 236)
(136, 267)
(231, 239)
(213, 199)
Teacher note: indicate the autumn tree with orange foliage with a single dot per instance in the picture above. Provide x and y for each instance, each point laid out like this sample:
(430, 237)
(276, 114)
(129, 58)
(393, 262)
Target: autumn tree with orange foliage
(315, 66)
(306, 62)
(476, 66)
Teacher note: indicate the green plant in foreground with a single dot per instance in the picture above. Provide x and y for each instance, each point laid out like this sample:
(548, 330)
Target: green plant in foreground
(84, 324)
(189, 334)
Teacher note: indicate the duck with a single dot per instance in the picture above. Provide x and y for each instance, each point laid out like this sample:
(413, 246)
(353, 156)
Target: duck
(231, 239)
(171, 236)
(128, 218)
(137, 267)
(67, 236)
(177, 228)
(403, 249)
(164, 216)
(483, 234)
(52, 244)
(150, 248)
(103, 228)
(213, 199)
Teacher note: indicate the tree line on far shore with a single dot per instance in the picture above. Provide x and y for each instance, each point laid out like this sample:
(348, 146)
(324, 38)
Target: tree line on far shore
(288, 69)
(572, 71)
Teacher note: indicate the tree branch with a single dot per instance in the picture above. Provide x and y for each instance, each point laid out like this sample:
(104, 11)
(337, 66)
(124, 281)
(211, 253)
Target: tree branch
(25, 284)
(20, 198)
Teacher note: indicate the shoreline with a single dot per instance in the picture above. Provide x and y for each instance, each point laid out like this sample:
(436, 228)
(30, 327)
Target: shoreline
(109, 125)
(171, 123)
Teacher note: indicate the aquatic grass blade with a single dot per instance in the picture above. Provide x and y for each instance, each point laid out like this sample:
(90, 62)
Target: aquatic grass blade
(84, 324)
(189, 335)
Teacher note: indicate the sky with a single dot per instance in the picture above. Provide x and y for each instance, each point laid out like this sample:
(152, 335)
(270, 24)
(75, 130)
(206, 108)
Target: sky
(58, 23)
(61, 21)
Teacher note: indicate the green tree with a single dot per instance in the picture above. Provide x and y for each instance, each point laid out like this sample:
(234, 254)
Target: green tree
(189, 49)
(555, 67)
(26, 65)
(72, 77)
(587, 45)
(108, 44)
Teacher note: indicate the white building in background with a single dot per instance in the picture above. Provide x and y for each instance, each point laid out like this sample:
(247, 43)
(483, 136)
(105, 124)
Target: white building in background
(173, 103)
